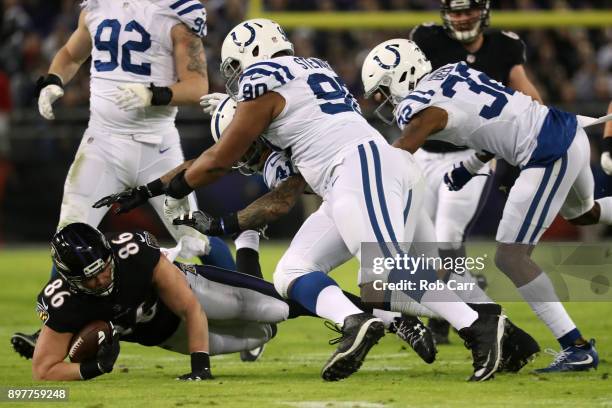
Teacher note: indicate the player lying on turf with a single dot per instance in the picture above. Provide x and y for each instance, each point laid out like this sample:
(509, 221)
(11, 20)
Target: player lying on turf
(372, 193)
(465, 107)
(125, 279)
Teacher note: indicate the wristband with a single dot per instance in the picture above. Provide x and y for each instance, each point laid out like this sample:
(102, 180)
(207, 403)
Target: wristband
(229, 224)
(160, 95)
(607, 144)
(90, 369)
(200, 361)
(50, 79)
(155, 188)
(178, 187)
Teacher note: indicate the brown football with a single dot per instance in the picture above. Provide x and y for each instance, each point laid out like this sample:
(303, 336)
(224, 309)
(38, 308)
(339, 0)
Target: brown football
(84, 344)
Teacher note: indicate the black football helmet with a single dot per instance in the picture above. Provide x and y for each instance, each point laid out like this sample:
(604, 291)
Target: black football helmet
(476, 26)
(80, 252)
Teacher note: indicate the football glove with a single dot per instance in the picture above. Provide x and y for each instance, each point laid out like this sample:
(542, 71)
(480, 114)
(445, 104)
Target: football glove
(458, 177)
(209, 102)
(606, 156)
(209, 225)
(132, 198)
(174, 208)
(108, 351)
(137, 96)
(50, 89)
(200, 368)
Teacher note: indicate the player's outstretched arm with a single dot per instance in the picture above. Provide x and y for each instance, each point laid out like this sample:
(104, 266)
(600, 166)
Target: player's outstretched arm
(190, 63)
(266, 209)
(174, 291)
(423, 124)
(518, 80)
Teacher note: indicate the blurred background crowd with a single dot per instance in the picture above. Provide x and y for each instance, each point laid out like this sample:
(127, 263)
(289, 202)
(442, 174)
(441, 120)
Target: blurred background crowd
(571, 68)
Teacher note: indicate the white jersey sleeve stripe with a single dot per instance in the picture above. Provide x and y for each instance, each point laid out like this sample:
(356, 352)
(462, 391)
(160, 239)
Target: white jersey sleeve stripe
(190, 9)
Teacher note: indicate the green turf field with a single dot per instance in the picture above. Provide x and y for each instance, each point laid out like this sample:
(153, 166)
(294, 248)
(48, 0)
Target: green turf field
(288, 374)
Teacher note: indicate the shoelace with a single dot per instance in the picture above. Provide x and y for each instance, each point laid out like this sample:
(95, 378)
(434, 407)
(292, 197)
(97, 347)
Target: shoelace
(560, 356)
(337, 329)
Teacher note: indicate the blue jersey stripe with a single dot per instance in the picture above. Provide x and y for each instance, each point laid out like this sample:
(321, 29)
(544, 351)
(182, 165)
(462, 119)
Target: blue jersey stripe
(178, 4)
(408, 204)
(551, 196)
(534, 204)
(273, 65)
(190, 9)
(264, 72)
(418, 99)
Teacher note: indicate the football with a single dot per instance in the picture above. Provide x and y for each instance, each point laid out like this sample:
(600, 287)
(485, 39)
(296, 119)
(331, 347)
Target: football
(84, 345)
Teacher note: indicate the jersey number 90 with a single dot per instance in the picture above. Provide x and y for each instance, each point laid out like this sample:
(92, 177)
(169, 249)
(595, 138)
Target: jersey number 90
(111, 45)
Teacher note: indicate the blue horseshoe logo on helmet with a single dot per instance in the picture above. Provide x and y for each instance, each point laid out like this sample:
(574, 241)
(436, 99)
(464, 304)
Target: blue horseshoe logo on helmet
(249, 41)
(394, 49)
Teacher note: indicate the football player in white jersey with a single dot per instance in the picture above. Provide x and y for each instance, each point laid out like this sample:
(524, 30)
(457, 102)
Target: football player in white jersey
(147, 58)
(463, 106)
(372, 192)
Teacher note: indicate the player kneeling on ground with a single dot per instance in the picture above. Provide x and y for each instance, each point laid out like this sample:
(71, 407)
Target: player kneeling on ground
(125, 279)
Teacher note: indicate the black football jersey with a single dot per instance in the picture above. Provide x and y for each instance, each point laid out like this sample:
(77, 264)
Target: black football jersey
(499, 53)
(133, 305)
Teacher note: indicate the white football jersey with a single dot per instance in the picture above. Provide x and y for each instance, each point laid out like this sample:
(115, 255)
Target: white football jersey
(487, 116)
(321, 119)
(131, 43)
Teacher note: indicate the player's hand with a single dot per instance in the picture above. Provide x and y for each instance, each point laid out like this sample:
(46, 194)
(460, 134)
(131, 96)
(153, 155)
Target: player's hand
(458, 177)
(210, 101)
(606, 163)
(174, 208)
(202, 222)
(50, 90)
(133, 96)
(200, 368)
(127, 200)
(108, 351)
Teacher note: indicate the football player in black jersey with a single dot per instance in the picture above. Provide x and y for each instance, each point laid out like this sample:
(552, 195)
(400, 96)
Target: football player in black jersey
(499, 54)
(127, 279)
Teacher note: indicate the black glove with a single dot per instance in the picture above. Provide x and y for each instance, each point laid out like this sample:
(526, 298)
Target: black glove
(108, 351)
(209, 225)
(200, 368)
(133, 197)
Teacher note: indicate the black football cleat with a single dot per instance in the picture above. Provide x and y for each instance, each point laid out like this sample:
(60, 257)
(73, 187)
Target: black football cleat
(24, 344)
(412, 330)
(485, 339)
(439, 329)
(359, 334)
(518, 350)
(253, 354)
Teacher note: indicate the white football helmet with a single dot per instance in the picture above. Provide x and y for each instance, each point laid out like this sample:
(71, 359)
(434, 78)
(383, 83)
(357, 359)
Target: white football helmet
(220, 120)
(393, 68)
(249, 42)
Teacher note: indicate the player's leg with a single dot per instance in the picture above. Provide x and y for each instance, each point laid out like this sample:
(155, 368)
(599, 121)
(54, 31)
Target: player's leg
(533, 202)
(224, 337)
(377, 198)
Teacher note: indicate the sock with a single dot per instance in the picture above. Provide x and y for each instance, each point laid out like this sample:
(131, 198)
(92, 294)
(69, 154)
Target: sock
(605, 210)
(475, 295)
(219, 255)
(321, 295)
(386, 316)
(404, 304)
(248, 239)
(569, 339)
(452, 309)
(541, 296)
(247, 261)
